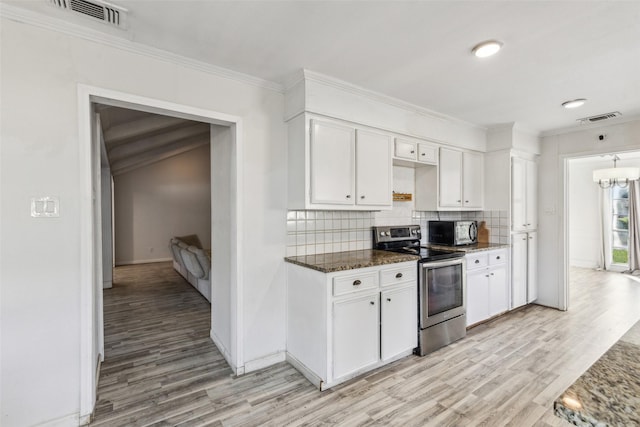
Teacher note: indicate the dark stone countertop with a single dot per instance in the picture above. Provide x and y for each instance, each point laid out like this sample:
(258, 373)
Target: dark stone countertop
(608, 393)
(341, 261)
(469, 248)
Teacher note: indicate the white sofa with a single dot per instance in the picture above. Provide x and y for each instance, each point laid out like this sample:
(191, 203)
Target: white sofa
(192, 262)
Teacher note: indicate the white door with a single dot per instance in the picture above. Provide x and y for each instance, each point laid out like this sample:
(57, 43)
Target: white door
(519, 263)
(450, 178)
(498, 291)
(356, 331)
(532, 266)
(373, 169)
(399, 325)
(532, 195)
(472, 180)
(518, 194)
(332, 163)
(477, 296)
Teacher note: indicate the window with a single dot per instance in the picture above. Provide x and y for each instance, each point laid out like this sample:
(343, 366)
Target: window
(620, 225)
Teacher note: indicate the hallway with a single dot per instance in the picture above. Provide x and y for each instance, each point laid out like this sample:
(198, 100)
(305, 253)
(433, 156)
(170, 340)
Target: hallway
(162, 369)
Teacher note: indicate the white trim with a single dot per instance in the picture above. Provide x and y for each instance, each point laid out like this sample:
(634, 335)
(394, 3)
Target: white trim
(86, 96)
(306, 372)
(40, 20)
(71, 420)
(263, 362)
(309, 75)
(223, 350)
(143, 261)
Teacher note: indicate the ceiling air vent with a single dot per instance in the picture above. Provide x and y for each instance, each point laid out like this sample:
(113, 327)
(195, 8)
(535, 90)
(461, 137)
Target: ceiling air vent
(97, 9)
(600, 117)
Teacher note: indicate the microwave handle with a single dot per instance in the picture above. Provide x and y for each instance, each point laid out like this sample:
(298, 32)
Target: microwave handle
(473, 231)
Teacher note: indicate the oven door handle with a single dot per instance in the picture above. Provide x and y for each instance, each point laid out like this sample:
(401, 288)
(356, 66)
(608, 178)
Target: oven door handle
(444, 263)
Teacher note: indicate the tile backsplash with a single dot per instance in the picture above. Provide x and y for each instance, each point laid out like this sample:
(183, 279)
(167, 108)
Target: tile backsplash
(316, 232)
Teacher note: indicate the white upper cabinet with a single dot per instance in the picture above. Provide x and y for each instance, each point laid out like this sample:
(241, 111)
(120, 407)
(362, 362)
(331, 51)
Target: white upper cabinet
(523, 194)
(338, 166)
(461, 179)
(332, 163)
(415, 151)
(373, 169)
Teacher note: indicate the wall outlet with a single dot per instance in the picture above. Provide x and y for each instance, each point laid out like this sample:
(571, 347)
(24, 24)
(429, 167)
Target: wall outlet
(45, 207)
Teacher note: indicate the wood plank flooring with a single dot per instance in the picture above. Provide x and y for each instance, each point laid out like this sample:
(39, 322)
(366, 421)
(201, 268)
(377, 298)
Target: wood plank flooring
(161, 369)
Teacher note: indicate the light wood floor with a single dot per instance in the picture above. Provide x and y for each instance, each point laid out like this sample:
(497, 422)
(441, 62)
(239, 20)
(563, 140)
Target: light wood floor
(161, 368)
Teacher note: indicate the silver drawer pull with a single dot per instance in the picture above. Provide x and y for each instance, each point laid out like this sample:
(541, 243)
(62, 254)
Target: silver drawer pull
(357, 282)
(399, 275)
(477, 261)
(498, 257)
(389, 299)
(372, 303)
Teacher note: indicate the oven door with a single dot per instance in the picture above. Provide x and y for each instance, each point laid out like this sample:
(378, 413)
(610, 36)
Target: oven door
(442, 291)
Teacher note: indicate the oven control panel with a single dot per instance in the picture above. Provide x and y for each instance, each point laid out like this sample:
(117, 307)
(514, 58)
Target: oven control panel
(395, 233)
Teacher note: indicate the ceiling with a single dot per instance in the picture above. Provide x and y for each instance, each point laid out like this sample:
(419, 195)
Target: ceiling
(133, 139)
(417, 51)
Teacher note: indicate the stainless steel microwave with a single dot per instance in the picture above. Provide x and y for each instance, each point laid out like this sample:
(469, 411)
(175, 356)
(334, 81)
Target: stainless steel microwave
(453, 233)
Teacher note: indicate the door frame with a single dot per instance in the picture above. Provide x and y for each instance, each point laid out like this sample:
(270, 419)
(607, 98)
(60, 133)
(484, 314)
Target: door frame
(90, 321)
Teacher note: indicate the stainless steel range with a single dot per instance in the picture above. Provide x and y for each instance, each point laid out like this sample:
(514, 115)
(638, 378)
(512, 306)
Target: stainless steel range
(441, 286)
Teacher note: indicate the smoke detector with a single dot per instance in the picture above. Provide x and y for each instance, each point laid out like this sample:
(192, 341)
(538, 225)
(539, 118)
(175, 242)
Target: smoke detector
(599, 117)
(97, 9)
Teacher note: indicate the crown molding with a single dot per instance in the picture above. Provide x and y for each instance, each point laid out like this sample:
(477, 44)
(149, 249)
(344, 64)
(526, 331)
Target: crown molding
(41, 20)
(376, 96)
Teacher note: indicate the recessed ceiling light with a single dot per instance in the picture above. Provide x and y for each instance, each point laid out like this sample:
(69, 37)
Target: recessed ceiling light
(488, 48)
(574, 103)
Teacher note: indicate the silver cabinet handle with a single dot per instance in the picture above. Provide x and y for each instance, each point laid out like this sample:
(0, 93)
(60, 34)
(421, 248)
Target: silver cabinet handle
(524, 238)
(466, 201)
(498, 257)
(389, 299)
(348, 196)
(477, 261)
(362, 197)
(458, 201)
(356, 282)
(372, 303)
(399, 275)
(413, 151)
(492, 274)
(486, 275)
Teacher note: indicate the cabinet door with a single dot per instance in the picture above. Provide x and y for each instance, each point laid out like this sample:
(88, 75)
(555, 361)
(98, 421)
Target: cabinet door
(532, 266)
(472, 180)
(477, 296)
(356, 331)
(405, 149)
(531, 195)
(427, 153)
(373, 169)
(518, 194)
(332, 163)
(498, 291)
(450, 178)
(519, 270)
(399, 323)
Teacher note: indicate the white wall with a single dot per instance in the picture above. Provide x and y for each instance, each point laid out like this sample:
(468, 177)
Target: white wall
(157, 202)
(40, 264)
(552, 175)
(584, 219)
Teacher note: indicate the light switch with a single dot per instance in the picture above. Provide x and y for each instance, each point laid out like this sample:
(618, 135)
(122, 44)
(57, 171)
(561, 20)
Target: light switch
(45, 207)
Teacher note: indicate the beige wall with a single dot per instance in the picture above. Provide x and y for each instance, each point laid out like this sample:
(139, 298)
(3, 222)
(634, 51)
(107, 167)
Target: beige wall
(165, 199)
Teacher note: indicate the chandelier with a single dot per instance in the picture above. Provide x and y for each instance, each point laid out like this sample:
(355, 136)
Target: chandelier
(615, 175)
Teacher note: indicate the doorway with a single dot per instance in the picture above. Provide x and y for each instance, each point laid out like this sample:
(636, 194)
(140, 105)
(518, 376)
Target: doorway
(596, 218)
(226, 226)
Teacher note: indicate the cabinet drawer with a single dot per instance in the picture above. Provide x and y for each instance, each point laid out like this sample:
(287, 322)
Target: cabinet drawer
(405, 149)
(477, 260)
(392, 276)
(498, 257)
(353, 283)
(427, 153)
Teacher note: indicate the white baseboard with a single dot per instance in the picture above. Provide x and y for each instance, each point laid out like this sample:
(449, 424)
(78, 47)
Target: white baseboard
(142, 261)
(306, 372)
(583, 263)
(225, 352)
(263, 362)
(107, 284)
(72, 420)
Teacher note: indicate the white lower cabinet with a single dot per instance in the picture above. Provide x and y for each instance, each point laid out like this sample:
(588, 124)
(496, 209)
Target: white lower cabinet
(487, 285)
(342, 324)
(355, 334)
